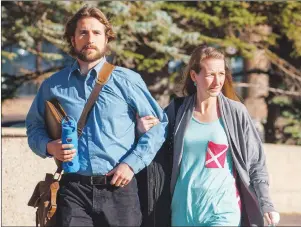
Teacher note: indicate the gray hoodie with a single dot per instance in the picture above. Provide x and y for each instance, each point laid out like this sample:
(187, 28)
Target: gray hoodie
(246, 149)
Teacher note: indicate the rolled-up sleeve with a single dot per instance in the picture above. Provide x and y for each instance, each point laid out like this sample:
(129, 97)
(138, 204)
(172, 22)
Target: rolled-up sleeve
(35, 124)
(150, 142)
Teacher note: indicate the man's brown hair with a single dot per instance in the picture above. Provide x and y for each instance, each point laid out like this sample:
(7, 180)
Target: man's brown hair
(199, 54)
(86, 11)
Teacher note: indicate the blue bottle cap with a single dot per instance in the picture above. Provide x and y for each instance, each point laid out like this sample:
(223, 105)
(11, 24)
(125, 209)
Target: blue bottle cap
(69, 124)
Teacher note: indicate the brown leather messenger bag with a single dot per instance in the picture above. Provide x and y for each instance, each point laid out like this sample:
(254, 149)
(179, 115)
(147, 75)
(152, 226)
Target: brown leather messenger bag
(44, 196)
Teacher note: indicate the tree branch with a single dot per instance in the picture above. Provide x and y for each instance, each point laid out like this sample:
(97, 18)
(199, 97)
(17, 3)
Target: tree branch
(270, 89)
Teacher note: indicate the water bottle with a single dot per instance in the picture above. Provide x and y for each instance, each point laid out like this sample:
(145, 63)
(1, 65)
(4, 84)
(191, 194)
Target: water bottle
(69, 136)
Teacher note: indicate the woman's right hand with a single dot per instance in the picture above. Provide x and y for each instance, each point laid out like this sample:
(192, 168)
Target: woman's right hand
(145, 123)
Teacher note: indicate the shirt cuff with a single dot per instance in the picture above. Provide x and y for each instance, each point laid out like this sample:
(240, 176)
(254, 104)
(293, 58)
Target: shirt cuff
(134, 162)
(48, 155)
(43, 147)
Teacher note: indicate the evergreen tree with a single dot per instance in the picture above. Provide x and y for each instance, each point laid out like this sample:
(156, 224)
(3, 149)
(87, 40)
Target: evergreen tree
(155, 37)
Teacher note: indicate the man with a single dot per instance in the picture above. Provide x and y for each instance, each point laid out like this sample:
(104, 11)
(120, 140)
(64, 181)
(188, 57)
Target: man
(107, 148)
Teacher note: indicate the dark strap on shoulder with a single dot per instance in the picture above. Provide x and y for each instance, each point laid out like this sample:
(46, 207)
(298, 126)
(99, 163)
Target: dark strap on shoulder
(102, 78)
(177, 103)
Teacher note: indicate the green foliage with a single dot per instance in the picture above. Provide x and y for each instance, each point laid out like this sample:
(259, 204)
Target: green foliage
(291, 25)
(193, 13)
(282, 100)
(7, 56)
(157, 30)
(290, 124)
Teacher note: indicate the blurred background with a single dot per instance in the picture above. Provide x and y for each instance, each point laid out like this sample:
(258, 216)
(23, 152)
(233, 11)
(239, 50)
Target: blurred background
(262, 41)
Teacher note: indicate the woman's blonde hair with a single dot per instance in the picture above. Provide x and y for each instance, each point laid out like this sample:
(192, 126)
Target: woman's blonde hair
(199, 54)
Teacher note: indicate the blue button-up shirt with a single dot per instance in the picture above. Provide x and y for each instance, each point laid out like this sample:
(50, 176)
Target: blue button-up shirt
(109, 134)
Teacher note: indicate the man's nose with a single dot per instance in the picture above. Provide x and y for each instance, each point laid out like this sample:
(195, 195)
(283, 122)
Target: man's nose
(91, 37)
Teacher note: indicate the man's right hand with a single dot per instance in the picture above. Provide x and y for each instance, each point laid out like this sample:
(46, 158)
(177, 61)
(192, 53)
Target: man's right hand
(58, 150)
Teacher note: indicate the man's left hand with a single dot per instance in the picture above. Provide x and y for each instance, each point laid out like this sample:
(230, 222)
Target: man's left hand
(272, 218)
(122, 175)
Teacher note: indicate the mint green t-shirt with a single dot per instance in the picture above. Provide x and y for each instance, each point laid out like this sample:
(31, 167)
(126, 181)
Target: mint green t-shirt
(205, 192)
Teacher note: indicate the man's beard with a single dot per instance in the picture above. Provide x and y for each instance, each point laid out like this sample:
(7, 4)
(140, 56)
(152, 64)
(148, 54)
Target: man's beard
(84, 56)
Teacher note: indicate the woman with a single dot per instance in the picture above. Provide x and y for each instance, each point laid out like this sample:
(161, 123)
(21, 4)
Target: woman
(218, 174)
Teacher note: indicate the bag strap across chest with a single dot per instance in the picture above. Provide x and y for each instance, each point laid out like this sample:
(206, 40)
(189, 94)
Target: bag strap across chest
(103, 77)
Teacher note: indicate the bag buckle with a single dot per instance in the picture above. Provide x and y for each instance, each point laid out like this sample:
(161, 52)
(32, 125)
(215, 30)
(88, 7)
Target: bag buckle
(57, 176)
(98, 180)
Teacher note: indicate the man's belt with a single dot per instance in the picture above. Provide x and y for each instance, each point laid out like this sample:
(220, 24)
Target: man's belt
(90, 180)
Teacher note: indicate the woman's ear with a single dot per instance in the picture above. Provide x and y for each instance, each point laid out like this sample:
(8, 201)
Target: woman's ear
(192, 75)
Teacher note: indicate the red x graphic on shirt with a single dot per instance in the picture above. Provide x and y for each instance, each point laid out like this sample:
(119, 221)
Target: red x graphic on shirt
(216, 155)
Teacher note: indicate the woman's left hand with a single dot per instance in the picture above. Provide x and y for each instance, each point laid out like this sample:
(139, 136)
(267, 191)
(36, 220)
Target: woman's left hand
(272, 218)
(145, 123)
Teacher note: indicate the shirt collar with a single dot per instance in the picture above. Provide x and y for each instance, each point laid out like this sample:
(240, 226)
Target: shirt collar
(75, 67)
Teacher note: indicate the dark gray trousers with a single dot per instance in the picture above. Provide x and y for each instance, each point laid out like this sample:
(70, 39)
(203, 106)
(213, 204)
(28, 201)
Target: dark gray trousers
(93, 205)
